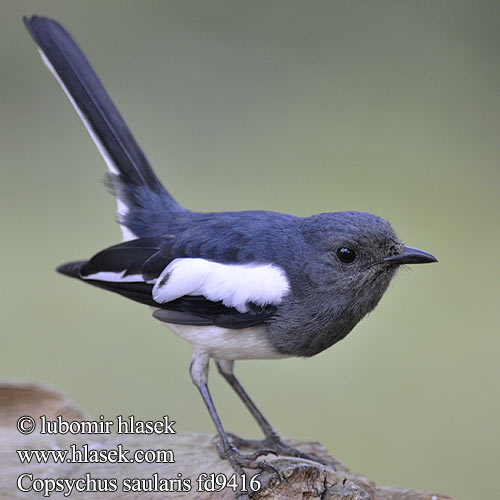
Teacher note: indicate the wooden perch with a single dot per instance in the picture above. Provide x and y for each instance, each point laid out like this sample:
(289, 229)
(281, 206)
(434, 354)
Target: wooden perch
(194, 453)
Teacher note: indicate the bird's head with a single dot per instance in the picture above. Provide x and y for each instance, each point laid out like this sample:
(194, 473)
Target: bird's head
(357, 255)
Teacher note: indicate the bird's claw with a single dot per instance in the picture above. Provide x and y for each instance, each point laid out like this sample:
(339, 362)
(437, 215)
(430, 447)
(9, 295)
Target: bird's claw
(240, 461)
(275, 444)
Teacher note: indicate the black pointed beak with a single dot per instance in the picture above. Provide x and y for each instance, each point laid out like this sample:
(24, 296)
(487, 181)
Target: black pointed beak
(409, 255)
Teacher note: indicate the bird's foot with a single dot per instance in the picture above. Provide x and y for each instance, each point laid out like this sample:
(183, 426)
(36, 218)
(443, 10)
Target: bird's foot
(240, 461)
(275, 444)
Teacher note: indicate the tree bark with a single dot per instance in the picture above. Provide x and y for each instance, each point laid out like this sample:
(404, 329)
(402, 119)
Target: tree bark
(194, 456)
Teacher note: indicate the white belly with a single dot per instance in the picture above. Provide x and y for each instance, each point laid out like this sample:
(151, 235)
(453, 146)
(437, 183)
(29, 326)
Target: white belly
(225, 343)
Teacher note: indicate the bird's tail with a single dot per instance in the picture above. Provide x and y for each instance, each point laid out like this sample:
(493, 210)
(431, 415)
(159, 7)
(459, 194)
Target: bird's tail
(140, 196)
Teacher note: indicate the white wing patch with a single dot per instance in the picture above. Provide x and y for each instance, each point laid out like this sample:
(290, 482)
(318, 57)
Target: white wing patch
(116, 277)
(233, 284)
(122, 207)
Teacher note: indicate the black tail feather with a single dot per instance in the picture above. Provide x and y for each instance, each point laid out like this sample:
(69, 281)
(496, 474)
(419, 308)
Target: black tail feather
(134, 181)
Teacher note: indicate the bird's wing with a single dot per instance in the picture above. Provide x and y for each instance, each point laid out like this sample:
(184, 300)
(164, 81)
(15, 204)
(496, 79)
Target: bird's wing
(188, 290)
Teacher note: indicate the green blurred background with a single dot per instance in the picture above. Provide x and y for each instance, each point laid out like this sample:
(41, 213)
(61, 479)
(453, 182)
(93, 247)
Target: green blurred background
(390, 107)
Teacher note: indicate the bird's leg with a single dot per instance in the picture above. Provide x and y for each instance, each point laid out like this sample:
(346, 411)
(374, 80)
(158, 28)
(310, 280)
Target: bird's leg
(272, 440)
(199, 374)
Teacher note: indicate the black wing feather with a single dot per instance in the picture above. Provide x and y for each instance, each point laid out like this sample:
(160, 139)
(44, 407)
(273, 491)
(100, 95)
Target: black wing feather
(148, 257)
(129, 256)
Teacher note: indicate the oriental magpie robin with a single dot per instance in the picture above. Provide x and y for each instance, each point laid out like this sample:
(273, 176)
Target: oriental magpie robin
(235, 285)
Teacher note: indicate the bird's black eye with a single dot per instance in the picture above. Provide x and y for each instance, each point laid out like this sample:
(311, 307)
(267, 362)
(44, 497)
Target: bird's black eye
(346, 255)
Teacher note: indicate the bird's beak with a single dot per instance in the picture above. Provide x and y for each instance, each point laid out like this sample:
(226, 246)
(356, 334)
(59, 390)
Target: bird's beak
(409, 255)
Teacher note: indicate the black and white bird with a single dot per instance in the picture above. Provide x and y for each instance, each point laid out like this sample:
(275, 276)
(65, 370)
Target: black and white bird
(235, 285)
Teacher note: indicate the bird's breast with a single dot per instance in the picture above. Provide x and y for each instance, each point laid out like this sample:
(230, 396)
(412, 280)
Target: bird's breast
(229, 344)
